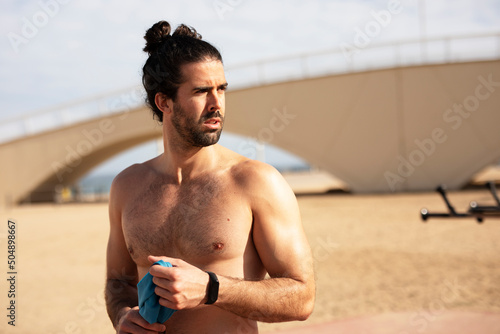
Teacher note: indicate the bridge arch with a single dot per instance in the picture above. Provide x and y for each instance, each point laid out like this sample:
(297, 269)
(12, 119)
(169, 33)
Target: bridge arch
(64, 155)
(385, 130)
(399, 129)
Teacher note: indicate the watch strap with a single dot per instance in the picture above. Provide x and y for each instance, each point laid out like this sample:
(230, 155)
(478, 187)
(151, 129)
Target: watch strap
(213, 288)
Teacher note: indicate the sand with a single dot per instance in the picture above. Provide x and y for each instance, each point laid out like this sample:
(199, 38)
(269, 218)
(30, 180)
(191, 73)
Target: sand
(373, 255)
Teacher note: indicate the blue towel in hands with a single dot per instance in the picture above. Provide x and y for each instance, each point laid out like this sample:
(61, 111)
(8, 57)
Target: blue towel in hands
(149, 306)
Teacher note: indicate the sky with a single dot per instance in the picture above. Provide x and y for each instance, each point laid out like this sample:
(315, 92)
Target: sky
(57, 51)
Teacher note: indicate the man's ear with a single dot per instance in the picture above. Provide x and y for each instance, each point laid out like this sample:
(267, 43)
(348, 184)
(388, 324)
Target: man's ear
(163, 103)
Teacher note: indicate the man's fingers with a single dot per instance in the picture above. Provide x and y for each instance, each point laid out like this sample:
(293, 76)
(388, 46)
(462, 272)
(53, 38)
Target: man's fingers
(154, 327)
(167, 299)
(164, 283)
(133, 322)
(162, 272)
(169, 304)
(134, 328)
(153, 259)
(172, 301)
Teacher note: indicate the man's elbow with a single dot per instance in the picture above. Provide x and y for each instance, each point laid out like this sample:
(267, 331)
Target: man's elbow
(306, 310)
(307, 305)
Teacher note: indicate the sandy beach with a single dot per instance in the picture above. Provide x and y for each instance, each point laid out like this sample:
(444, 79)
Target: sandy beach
(373, 255)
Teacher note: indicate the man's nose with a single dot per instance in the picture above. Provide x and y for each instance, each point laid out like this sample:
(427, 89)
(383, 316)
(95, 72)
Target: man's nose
(216, 101)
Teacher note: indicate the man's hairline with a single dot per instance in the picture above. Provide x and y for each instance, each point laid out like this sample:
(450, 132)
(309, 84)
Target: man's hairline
(205, 59)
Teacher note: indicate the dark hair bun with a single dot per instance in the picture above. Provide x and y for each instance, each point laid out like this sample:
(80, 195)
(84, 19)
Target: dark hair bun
(155, 35)
(184, 30)
(160, 32)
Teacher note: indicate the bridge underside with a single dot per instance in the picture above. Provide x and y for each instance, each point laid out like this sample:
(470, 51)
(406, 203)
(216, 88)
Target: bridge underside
(401, 129)
(42, 163)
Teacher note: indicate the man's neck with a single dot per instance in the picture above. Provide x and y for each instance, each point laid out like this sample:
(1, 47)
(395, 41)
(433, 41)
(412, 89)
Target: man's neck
(186, 163)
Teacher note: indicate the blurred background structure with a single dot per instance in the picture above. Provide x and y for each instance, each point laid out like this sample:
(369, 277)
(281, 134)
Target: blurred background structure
(402, 97)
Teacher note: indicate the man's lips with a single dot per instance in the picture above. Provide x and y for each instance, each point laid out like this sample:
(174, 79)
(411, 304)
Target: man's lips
(212, 123)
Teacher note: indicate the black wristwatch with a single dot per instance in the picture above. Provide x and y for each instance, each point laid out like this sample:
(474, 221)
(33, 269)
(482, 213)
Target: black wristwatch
(213, 288)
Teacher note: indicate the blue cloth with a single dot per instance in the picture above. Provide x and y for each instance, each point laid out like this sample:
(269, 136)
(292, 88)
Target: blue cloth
(149, 306)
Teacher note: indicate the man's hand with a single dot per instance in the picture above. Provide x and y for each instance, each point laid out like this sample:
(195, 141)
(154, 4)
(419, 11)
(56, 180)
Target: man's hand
(182, 286)
(132, 322)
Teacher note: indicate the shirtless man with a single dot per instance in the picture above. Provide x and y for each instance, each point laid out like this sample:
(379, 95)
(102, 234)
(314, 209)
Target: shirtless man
(202, 208)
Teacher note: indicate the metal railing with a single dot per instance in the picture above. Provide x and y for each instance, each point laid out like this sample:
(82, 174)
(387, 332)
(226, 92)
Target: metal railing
(343, 59)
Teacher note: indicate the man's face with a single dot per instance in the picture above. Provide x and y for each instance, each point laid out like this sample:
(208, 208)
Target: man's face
(198, 113)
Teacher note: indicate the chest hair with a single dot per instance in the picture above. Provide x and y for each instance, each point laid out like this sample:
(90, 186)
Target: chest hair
(172, 220)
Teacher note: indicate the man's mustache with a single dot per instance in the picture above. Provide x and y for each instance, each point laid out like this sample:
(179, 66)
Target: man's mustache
(213, 114)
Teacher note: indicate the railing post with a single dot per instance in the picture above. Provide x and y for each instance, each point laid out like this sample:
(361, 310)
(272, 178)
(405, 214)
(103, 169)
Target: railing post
(63, 116)
(261, 75)
(397, 54)
(26, 125)
(303, 67)
(447, 50)
(498, 45)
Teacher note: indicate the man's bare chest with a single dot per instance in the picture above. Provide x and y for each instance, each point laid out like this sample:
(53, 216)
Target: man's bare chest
(204, 222)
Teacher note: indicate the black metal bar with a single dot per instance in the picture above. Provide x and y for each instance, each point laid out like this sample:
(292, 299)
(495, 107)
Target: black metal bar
(425, 214)
(479, 212)
(441, 190)
(493, 190)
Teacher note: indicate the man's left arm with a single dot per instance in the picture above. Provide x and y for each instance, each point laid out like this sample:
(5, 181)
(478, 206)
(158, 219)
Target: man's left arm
(283, 248)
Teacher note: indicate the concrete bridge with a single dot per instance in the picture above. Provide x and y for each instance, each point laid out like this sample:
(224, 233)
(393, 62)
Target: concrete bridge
(405, 126)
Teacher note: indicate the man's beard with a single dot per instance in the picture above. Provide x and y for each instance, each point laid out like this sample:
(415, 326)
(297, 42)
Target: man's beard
(191, 130)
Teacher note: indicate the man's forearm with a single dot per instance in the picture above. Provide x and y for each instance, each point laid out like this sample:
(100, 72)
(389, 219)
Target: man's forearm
(270, 300)
(120, 297)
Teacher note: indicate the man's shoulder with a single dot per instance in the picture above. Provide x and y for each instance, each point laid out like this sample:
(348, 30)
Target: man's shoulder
(131, 173)
(262, 185)
(251, 169)
(257, 175)
(242, 168)
(130, 178)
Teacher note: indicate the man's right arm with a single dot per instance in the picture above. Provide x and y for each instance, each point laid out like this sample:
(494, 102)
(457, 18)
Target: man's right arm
(121, 272)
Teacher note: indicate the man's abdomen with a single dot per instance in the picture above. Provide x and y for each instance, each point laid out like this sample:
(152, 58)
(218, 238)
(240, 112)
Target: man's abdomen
(210, 320)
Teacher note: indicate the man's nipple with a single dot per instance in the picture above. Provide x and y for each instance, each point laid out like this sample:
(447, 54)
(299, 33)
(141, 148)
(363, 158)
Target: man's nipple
(217, 246)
